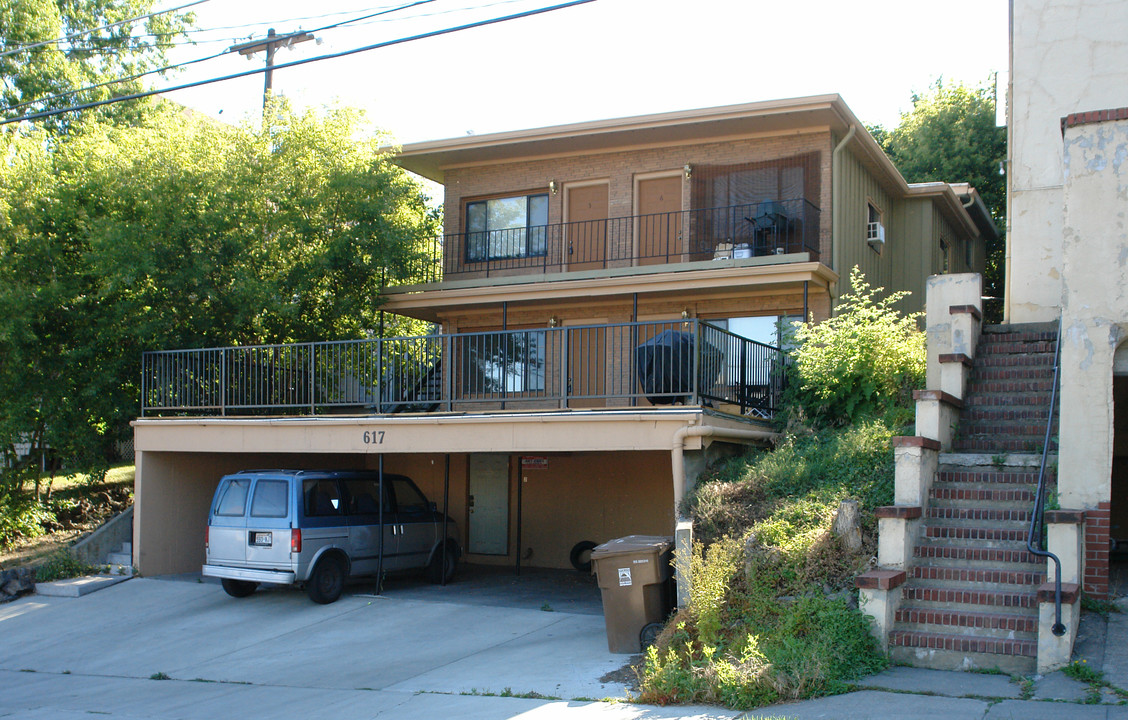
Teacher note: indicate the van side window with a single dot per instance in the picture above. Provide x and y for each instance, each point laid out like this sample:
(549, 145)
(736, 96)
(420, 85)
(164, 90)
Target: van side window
(233, 501)
(408, 498)
(362, 494)
(270, 499)
(321, 497)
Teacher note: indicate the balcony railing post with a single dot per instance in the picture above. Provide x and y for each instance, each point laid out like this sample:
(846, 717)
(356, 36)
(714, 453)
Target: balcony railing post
(312, 379)
(565, 368)
(223, 382)
(448, 374)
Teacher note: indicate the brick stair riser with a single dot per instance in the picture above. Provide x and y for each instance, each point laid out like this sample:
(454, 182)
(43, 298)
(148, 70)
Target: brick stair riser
(1038, 402)
(988, 536)
(1012, 445)
(983, 477)
(972, 599)
(1011, 430)
(996, 517)
(998, 392)
(980, 375)
(979, 556)
(960, 495)
(993, 646)
(1036, 414)
(1001, 578)
(1039, 361)
(1013, 347)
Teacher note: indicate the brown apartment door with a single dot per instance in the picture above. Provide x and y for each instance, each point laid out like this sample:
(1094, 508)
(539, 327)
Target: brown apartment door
(659, 222)
(586, 232)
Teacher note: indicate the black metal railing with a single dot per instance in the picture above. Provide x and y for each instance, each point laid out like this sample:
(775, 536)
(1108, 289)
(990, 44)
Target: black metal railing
(739, 231)
(619, 365)
(1035, 539)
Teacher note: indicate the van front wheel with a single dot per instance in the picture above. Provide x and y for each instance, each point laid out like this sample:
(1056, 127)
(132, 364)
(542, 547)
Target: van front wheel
(238, 588)
(327, 581)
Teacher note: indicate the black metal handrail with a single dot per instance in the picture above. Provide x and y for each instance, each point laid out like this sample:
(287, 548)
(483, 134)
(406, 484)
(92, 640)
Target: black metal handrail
(737, 231)
(1034, 538)
(624, 364)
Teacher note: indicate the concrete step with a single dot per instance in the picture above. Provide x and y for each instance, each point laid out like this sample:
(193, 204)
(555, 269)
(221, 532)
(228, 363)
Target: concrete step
(1005, 464)
(943, 651)
(971, 555)
(120, 559)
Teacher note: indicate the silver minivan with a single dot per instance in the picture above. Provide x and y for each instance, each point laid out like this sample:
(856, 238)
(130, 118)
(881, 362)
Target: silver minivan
(318, 527)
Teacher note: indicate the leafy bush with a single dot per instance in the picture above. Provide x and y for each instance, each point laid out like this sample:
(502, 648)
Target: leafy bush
(861, 362)
(61, 565)
(740, 645)
(21, 518)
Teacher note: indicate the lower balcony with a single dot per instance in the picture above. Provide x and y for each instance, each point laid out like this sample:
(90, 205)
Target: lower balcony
(626, 365)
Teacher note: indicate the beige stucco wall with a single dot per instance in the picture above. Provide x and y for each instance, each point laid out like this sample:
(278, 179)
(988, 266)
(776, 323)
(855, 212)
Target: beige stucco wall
(1066, 56)
(1095, 314)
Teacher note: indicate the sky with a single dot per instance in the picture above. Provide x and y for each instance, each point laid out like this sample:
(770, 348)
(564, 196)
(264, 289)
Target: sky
(603, 59)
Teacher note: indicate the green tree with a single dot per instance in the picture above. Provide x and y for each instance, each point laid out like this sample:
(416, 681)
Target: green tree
(950, 136)
(90, 58)
(182, 232)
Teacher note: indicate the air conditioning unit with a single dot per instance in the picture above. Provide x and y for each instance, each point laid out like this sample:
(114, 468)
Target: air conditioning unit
(875, 235)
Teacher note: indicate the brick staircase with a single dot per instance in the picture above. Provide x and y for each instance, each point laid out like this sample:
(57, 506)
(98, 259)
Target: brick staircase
(970, 596)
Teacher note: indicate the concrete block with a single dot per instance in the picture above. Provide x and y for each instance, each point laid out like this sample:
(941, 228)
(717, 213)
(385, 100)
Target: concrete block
(895, 541)
(77, 587)
(1054, 651)
(1066, 540)
(916, 460)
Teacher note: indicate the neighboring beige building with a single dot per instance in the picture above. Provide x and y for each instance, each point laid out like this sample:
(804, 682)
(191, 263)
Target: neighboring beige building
(566, 249)
(1067, 244)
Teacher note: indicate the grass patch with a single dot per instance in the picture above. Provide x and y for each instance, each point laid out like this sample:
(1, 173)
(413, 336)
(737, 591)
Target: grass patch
(62, 565)
(771, 616)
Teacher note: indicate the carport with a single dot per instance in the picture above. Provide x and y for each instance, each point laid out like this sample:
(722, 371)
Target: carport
(523, 488)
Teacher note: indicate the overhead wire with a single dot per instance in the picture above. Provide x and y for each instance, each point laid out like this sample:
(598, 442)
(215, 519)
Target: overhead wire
(186, 63)
(81, 33)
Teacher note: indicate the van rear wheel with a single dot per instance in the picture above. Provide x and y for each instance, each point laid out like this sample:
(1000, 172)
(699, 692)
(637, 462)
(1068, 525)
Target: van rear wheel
(327, 581)
(238, 588)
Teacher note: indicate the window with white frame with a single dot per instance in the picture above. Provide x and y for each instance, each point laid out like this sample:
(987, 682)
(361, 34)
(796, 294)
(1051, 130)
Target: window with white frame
(506, 228)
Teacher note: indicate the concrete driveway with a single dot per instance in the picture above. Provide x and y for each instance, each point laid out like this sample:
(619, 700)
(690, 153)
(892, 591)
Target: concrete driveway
(418, 651)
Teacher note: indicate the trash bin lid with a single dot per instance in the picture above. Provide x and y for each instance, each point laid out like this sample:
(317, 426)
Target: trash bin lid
(657, 544)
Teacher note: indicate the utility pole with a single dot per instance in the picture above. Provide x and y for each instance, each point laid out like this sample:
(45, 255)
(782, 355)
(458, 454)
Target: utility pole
(270, 45)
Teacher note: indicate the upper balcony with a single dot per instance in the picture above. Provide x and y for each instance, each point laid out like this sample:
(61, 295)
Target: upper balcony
(510, 239)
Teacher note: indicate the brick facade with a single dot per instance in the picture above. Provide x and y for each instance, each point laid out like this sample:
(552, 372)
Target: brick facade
(1097, 551)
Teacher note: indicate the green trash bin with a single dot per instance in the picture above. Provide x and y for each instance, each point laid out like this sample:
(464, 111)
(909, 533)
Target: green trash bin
(634, 579)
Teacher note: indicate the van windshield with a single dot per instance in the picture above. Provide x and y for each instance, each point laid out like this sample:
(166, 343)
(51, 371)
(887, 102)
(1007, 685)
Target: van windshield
(233, 498)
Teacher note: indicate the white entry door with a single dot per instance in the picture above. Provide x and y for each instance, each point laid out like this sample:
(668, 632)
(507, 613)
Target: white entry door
(489, 504)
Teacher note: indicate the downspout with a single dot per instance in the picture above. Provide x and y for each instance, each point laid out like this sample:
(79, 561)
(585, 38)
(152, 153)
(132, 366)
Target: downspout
(836, 193)
(677, 450)
(683, 533)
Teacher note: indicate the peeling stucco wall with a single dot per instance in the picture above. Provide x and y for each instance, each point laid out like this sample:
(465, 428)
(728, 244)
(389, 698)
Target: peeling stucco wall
(1094, 304)
(1066, 56)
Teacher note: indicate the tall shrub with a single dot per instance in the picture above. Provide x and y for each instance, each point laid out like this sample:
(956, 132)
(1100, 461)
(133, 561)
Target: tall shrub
(861, 362)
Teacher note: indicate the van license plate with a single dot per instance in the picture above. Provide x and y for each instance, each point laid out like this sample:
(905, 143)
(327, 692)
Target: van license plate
(262, 538)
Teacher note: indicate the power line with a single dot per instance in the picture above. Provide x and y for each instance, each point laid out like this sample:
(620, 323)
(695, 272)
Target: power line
(177, 66)
(295, 63)
(66, 38)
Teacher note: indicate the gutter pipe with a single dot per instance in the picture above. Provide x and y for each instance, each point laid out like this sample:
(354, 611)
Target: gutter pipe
(835, 210)
(677, 450)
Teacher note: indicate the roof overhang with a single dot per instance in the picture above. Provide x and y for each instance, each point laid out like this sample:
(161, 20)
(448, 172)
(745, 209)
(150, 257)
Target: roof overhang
(432, 159)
